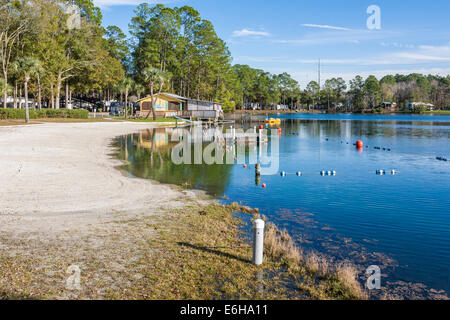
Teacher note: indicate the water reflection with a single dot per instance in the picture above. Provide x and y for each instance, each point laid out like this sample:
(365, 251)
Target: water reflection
(149, 156)
(399, 222)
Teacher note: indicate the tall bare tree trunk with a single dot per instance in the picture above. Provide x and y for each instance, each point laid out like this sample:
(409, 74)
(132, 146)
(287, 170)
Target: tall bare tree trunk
(39, 92)
(15, 95)
(27, 110)
(189, 81)
(126, 103)
(198, 86)
(58, 91)
(152, 109)
(52, 97)
(5, 95)
(67, 95)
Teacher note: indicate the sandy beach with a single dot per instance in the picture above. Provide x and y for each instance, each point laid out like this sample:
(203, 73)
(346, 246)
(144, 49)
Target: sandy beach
(64, 202)
(57, 176)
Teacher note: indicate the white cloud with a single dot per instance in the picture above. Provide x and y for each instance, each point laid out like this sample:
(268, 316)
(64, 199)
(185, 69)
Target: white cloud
(329, 37)
(109, 3)
(423, 54)
(436, 50)
(317, 41)
(324, 26)
(397, 45)
(250, 33)
(420, 57)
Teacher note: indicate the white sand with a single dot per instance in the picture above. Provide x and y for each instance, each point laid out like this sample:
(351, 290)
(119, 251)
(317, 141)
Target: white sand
(61, 177)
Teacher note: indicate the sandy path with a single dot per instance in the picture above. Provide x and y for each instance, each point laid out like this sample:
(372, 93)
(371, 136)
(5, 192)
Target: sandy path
(61, 176)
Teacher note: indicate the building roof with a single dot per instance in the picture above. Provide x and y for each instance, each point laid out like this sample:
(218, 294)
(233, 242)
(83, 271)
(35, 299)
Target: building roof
(176, 98)
(422, 103)
(166, 96)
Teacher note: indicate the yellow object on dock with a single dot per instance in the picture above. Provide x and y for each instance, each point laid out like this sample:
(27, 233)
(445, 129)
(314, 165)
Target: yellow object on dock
(272, 121)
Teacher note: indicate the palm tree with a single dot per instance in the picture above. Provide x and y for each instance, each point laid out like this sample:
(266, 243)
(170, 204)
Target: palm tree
(138, 89)
(126, 85)
(39, 75)
(154, 76)
(27, 66)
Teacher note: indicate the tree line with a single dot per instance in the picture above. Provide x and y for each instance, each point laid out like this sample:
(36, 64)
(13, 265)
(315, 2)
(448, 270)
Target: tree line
(169, 49)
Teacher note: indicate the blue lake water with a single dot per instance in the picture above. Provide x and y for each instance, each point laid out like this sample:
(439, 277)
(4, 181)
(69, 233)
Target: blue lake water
(400, 222)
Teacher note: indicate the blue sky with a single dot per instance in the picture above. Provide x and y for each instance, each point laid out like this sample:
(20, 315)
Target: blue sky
(291, 35)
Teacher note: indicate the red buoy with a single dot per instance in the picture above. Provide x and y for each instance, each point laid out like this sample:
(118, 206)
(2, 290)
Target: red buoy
(359, 144)
(264, 186)
(245, 166)
(261, 127)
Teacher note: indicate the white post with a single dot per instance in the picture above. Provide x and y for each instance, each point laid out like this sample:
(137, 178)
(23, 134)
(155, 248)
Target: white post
(258, 241)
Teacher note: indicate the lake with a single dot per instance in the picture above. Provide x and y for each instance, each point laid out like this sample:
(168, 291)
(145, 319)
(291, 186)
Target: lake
(400, 222)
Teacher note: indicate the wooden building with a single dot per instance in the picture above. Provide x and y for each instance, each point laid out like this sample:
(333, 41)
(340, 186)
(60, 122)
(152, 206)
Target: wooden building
(166, 105)
(169, 105)
(203, 110)
(389, 106)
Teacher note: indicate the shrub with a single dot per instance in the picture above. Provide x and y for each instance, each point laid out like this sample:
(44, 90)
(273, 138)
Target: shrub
(418, 109)
(379, 110)
(44, 113)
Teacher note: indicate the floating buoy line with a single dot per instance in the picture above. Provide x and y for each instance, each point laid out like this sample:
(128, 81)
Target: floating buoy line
(333, 173)
(329, 172)
(360, 145)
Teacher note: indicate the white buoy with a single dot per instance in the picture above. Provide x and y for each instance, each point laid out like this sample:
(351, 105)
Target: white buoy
(258, 242)
(334, 173)
(322, 173)
(393, 172)
(299, 174)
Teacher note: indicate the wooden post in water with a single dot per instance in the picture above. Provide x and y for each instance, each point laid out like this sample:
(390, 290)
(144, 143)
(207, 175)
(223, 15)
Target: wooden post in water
(258, 169)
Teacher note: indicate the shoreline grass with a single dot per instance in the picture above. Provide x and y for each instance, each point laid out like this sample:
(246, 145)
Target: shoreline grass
(194, 253)
(197, 252)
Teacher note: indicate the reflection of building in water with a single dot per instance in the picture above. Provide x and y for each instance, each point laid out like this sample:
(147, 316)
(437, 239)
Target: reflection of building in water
(197, 134)
(156, 138)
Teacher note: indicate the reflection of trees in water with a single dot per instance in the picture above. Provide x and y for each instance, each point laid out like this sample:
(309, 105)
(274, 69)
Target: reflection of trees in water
(149, 155)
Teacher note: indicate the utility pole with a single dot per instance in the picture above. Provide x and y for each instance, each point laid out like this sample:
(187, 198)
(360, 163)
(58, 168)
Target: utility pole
(319, 74)
(319, 81)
